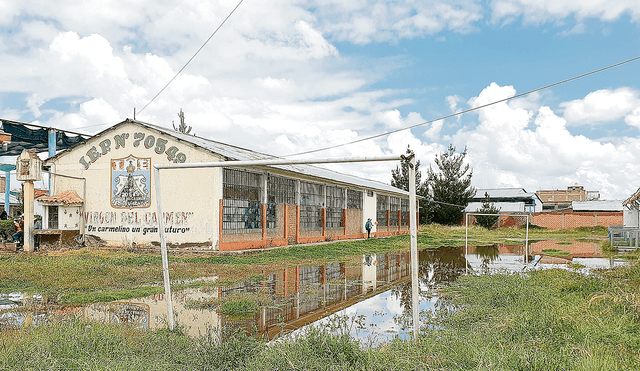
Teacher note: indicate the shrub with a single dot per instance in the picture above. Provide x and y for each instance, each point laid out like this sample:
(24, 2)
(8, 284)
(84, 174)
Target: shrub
(7, 229)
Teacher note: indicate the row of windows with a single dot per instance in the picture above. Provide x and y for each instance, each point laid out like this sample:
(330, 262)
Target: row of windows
(393, 205)
(243, 192)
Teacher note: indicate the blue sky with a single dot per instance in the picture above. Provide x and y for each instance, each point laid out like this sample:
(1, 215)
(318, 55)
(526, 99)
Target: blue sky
(284, 77)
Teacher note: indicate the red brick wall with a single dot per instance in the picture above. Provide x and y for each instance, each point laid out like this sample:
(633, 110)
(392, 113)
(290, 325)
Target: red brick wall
(354, 221)
(293, 226)
(569, 219)
(504, 222)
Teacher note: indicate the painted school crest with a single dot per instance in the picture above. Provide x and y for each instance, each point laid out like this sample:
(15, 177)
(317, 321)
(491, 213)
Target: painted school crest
(130, 179)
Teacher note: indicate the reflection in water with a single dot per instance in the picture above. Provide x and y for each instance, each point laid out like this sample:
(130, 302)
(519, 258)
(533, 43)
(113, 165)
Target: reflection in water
(378, 291)
(299, 295)
(488, 254)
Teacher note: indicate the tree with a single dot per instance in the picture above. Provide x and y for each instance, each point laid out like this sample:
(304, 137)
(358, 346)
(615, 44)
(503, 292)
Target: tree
(400, 179)
(488, 207)
(400, 175)
(451, 187)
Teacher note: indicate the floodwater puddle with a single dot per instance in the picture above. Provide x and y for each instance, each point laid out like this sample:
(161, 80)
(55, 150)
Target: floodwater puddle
(371, 299)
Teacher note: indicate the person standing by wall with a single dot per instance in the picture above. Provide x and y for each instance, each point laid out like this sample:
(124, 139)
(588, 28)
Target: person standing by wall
(368, 227)
(37, 224)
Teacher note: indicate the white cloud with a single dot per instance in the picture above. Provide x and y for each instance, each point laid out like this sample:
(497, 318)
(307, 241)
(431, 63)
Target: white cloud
(314, 42)
(514, 147)
(453, 101)
(374, 21)
(603, 106)
(433, 132)
(34, 102)
(542, 11)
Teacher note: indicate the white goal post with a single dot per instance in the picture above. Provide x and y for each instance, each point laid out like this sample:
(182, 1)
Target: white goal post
(279, 161)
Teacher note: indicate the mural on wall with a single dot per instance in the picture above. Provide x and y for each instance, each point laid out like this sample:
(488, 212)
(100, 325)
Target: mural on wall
(130, 180)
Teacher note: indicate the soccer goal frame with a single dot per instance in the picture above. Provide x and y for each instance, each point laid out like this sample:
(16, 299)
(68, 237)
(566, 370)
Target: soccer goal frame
(279, 161)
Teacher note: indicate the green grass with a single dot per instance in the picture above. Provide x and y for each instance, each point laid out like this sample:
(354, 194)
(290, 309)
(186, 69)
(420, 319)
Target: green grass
(544, 320)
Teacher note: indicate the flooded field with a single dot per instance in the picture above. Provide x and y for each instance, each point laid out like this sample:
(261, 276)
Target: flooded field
(371, 299)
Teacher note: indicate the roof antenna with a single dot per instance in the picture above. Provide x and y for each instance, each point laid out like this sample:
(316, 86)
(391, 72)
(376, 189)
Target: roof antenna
(182, 128)
(134, 113)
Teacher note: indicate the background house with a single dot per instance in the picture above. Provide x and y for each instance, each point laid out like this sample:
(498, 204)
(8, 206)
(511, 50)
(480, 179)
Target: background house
(559, 199)
(509, 201)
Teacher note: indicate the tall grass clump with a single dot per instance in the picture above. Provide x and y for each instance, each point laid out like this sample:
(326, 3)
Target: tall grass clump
(317, 349)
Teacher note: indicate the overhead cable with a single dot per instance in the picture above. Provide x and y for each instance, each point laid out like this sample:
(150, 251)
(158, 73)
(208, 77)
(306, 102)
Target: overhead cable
(465, 111)
(189, 61)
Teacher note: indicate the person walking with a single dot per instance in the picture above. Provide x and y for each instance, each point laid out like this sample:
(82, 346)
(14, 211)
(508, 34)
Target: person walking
(18, 236)
(368, 227)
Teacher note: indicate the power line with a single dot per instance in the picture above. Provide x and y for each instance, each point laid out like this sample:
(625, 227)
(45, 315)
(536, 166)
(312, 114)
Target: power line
(189, 61)
(466, 111)
(97, 125)
(444, 203)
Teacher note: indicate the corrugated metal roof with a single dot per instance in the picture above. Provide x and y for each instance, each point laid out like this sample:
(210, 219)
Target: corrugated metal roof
(231, 152)
(597, 205)
(505, 207)
(503, 193)
(36, 137)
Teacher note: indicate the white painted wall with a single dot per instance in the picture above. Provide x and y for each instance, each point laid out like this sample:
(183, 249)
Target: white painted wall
(369, 210)
(631, 218)
(190, 196)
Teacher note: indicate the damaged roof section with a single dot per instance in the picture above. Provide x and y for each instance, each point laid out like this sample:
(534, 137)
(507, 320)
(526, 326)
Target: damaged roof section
(69, 198)
(22, 136)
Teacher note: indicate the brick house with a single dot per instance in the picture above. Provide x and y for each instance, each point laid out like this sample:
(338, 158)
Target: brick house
(561, 199)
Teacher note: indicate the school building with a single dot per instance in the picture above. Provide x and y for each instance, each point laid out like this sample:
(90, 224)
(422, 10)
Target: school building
(104, 189)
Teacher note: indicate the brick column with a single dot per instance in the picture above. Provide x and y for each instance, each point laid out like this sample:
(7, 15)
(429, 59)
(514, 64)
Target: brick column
(389, 219)
(344, 220)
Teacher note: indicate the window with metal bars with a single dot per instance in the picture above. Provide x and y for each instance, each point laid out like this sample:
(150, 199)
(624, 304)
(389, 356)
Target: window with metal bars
(404, 211)
(335, 205)
(311, 204)
(393, 211)
(354, 199)
(279, 191)
(382, 205)
(53, 217)
(241, 201)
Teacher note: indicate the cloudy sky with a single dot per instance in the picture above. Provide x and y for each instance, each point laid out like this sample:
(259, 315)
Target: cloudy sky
(283, 77)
